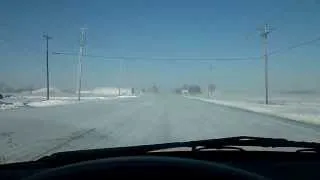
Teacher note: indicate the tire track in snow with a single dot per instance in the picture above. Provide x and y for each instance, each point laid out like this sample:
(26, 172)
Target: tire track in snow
(56, 128)
(64, 143)
(111, 129)
(42, 149)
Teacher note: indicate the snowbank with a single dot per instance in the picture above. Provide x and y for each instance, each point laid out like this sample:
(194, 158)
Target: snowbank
(5, 106)
(107, 91)
(37, 98)
(56, 101)
(128, 96)
(40, 101)
(50, 103)
(308, 113)
(44, 90)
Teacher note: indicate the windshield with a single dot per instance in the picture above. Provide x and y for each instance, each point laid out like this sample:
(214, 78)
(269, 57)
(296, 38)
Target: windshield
(97, 74)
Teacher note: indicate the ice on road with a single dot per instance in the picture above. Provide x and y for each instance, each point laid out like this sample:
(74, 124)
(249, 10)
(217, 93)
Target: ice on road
(29, 133)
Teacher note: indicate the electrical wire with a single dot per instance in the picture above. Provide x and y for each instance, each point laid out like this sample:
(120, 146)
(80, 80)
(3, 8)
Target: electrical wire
(272, 53)
(294, 46)
(161, 58)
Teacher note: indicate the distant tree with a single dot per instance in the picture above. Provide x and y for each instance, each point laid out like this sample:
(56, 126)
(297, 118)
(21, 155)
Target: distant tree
(194, 89)
(185, 86)
(68, 90)
(177, 90)
(1, 96)
(155, 89)
(5, 88)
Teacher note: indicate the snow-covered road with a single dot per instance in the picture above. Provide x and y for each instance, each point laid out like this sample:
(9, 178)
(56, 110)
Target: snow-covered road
(29, 133)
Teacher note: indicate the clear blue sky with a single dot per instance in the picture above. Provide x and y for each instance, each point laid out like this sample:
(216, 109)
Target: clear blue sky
(160, 28)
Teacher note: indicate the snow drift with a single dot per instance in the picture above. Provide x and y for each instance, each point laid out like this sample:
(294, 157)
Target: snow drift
(307, 112)
(107, 91)
(48, 103)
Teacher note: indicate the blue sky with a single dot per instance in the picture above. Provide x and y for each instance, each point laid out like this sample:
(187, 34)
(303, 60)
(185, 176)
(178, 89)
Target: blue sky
(166, 28)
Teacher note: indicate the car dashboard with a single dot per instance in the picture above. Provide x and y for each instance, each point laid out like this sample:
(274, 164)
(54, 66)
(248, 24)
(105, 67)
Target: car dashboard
(270, 164)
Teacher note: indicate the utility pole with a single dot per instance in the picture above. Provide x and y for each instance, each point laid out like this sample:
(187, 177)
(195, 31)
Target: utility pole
(81, 53)
(120, 76)
(209, 82)
(47, 38)
(264, 34)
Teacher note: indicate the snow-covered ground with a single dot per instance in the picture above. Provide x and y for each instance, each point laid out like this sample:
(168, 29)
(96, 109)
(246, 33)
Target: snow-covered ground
(107, 91)
(28, 134)
(302, 108)
(37, 98)
(41, 102)
(70, 100)
(47, 103)
(6, 105)
(13, 102)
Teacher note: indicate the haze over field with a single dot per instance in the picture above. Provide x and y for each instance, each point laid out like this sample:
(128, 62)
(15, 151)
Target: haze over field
(171, 29)
(155, 71)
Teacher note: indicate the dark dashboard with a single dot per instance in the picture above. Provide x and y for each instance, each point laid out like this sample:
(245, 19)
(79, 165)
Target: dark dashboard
(270, 164)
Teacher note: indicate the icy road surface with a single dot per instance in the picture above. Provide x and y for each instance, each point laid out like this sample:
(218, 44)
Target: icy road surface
(29, 133)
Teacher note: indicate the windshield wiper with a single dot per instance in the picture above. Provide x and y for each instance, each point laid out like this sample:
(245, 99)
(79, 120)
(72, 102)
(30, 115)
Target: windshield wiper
(241, 141)
(236, 143)
(222, 143)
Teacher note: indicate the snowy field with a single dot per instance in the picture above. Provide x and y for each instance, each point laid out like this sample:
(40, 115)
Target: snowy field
(297, 107)
(37, 98)
(30, 133)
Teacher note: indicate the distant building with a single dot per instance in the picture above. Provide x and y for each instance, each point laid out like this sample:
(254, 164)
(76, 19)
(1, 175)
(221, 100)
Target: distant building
(194, 89)
(188, 89)
(185, 91)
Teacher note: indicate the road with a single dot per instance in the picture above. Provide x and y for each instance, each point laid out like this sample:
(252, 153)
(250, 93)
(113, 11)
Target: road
(29, 133)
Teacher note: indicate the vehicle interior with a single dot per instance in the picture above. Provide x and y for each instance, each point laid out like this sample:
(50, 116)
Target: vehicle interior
(159, 89)
(224, 158)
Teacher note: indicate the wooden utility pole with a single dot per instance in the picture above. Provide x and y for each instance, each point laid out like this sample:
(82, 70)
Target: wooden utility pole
(264, 34)
(47, 38)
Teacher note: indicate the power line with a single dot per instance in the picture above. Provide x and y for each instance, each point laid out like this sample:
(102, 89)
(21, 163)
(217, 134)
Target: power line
(294, 46)
(176, 58)
(114, 58)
